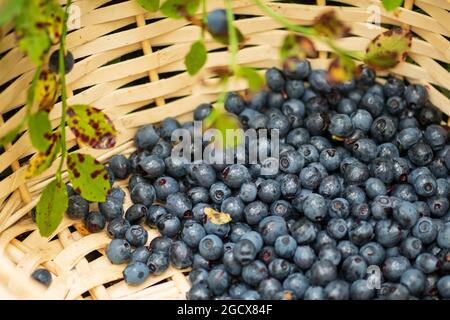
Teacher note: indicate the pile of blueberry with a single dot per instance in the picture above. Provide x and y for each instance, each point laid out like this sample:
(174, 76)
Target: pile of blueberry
(359, 208)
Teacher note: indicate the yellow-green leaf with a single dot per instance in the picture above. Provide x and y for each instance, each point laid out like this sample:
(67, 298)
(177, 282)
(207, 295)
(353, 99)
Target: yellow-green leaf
(89, 177)
(254, 79)
(51, 207)
(196, 58)
(341, 69)
(10, 136)
(297, 46)
(224, 121)
(46, 91)
(40, 130)
(150, 5)
(391, 5)
(10, 9)
(217, 217)
(178, 9)
(43, 160)
(91, 126)
(328, 25)
(388, 49)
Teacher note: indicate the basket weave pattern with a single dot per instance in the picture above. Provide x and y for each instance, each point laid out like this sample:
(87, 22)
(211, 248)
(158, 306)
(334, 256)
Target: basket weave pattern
(130, 63)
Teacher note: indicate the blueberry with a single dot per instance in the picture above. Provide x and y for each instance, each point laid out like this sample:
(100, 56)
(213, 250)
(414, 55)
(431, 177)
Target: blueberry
(318, 81)
(407, 137)
(199, 291)
(291, 162)
(303, 231)
(180, 255)
(331, 253)
(117, 228)
(365, 150)
(78, 207)
(136, 273)
(427, 263)
(95, 222)
(356, 173)
(248, 192)
(143, 193)
(275, 79)
(416, 96)
(425, 230)
(285, 246)
(141, 254)
(275, 100)
(315, 293)
(192, 233)
(309, 153)
(347, 249)
(317, 104)
(323, 272)
(168, 225)
(161, 244)
(373, 253)
(394, 267)
(361, 290)
(354, 195)
(251, 295)
(202, 111)
(365, 76)
(154, 212)
(231, 264)
(220, 230)
(218, 280)
(254, 272)
(136, 214)
(179, 204)
(245, 251)
(354, 268)
(136, 236)
(375, 187)
(198, 195)
(218, 22)
(443, 287)
(315, 207)
(297, 69)
(393, 291)
(310, 178)
(255, 211)
(268, 288)
(337, 290)
(279, 122)
(211, 247)
(289, 186)
(234, 103)
(43, 276)
(118, 251)
(234, 207)
(406, 214)
(259, 100)
(330, 159)
(443, 237)
(339, 208)
(372, 103)
(317, 123)
(347, 106)
(164, 186)
(175, 167)
(420, 154)
(53, 63)
(340, 125)
(146, 137)
(294, 89)
(120, 166)
(157, 262)
(237, 290)
(235, 175)
(219, 192)
(337, 228)
(387, 233)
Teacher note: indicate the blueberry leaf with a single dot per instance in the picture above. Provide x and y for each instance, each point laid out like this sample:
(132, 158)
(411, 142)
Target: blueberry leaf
(388, 49)
(51, 207)
(329, 26)
(40, 130)
(297, 46)
(10, 136)
(10, 9)
(91, 126)
(223, 122)
(43, 160)
(177, 9)
(254, 79)
(46, 90)
(391, 5)
(341, 69)
(217, 217)
(196, 58)
(89, 177)
(150, 5)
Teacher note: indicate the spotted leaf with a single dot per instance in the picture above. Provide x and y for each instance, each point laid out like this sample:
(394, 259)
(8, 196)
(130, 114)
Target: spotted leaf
(53, 17)
(341, 69)
(328, 25)
(217, 217)
(89, 177)
(51, 207)
(46, 91)
(91, 126)
(43, 160)
(388, 49)
(297, 46)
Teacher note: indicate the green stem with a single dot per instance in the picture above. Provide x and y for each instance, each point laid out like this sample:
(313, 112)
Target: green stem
(232, 34)
(204, 18)
(62, 74)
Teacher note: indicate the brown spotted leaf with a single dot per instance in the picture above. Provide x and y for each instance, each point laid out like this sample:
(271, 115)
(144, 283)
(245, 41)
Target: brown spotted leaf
(297, 46)
(329, 25)
(341, 69)
(89, 177)
(46, 91)
(53, 16)
(217, 217)
(388, 49)
(43, 160)
(51, 207)
(91, 126)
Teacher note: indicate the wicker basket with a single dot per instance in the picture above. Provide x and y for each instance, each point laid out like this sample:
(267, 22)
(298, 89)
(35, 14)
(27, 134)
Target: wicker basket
(147, 84)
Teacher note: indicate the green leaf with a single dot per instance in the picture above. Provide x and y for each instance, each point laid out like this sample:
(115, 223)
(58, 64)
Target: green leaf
(89, 177)
(91, 126)
(341, 69)
(46, 90)
(10, 9)
(225, 39)
(196, 58)
(223, 121)
(43, 160)
(150, 5)
(388, 49)
(391, 5)
(178, 9)
(254, 79)
(40, 130)
(297, 46)
(10, 136)
(328, 25)
(35, 46)
(51, 207)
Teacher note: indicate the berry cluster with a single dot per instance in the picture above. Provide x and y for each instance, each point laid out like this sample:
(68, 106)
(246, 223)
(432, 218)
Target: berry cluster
(363, 185)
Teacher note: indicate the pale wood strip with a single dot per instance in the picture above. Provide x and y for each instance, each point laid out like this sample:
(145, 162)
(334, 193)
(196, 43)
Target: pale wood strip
(440, 15)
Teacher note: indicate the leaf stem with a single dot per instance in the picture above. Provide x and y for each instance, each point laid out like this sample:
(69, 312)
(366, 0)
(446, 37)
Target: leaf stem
(204, 19)
(233, 39)
(62, 74)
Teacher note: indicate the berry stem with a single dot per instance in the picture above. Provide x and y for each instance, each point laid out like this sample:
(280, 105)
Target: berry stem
(232, 37)
(62, 74)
